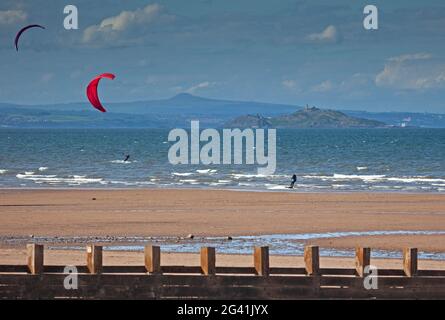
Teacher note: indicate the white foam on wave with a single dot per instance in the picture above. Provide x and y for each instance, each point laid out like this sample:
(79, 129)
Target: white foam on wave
(3, 171)
(252, 176)
(33, 176)
(345, 177)
(276, 187)
(340, 186)
(416, 179)
(362, 168)
(53, 179)
(122, 161)
(241, 176)
(188, 181)
(182, 174)
(357, 177)
(206, 171)
(410, 188)
(216, 184)
(381, 187)
(132, 183)
(375, 178)
(43, 169)
(243, 184)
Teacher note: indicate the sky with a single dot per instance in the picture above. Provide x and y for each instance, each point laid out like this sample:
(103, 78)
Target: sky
(299, 52)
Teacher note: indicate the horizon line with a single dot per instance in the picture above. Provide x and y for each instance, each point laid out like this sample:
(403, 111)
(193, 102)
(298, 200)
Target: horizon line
(214, 99)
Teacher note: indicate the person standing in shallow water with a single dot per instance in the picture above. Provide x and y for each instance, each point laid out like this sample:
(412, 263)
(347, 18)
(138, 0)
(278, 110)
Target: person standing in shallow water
(294, 179)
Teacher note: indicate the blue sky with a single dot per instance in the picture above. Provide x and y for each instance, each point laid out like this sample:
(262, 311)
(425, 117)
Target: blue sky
(289, 51)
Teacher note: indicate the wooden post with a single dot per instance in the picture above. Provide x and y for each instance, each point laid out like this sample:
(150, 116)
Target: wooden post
(362, 260)
(410, 261)
(208, 261)
(312, 260)
(35, 258)
(152, 259)
(94, 259)
(261, 261)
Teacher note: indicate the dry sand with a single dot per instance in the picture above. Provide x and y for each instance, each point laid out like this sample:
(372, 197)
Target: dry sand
(223, 213)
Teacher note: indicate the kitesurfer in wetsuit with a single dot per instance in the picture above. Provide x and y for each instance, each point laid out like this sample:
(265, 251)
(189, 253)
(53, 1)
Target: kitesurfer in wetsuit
(294, 179)
(127, 157)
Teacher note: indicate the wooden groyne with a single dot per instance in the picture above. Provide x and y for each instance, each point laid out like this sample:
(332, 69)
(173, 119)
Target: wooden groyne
(151, 280)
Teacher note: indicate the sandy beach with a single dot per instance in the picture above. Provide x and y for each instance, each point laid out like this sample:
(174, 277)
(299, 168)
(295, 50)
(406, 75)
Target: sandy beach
(225, 213)
(16, 256)
(103, 214)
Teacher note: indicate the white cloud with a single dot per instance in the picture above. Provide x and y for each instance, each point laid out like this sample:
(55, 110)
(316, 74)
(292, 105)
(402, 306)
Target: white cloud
(12, 16)
(411, 72)
(408, 57)
(200, 86)
(126, 25)
(325, 86)
(328, 35)
(292, 85)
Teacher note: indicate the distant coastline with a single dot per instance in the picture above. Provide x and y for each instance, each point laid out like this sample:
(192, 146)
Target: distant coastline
(177, 112)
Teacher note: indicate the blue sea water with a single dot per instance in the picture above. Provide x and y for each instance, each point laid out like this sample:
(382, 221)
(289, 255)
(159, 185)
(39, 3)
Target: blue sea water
(401, 160)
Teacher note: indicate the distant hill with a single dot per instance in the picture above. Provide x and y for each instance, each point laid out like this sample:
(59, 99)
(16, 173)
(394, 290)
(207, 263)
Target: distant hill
(184, 104)
(174, 112)
(305, 119)
(187, 104)
(318, 118)
(180, 109)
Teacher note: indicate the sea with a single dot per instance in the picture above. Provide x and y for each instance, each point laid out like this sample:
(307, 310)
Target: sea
(336, 160)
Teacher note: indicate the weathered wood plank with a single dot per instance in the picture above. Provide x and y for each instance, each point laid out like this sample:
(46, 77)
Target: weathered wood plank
(35, 258)
(312, 260)
(261, 261)
(219, 270)
(208, 261)
(236, 270)
(13, 268)
(287, 271)
(94, 259)
(362, 260)
(123, 279)
(410, 261)
(96, 281)
(218, 287)
(153, 259)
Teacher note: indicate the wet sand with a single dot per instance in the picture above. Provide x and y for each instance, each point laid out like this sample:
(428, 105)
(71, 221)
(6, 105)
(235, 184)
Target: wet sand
(223, 213)
(71, 257)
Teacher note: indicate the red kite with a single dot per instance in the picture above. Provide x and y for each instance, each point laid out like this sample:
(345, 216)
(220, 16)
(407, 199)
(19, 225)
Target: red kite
(92, 95)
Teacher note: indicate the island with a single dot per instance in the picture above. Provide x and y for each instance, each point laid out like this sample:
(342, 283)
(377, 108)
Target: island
(308, 117)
